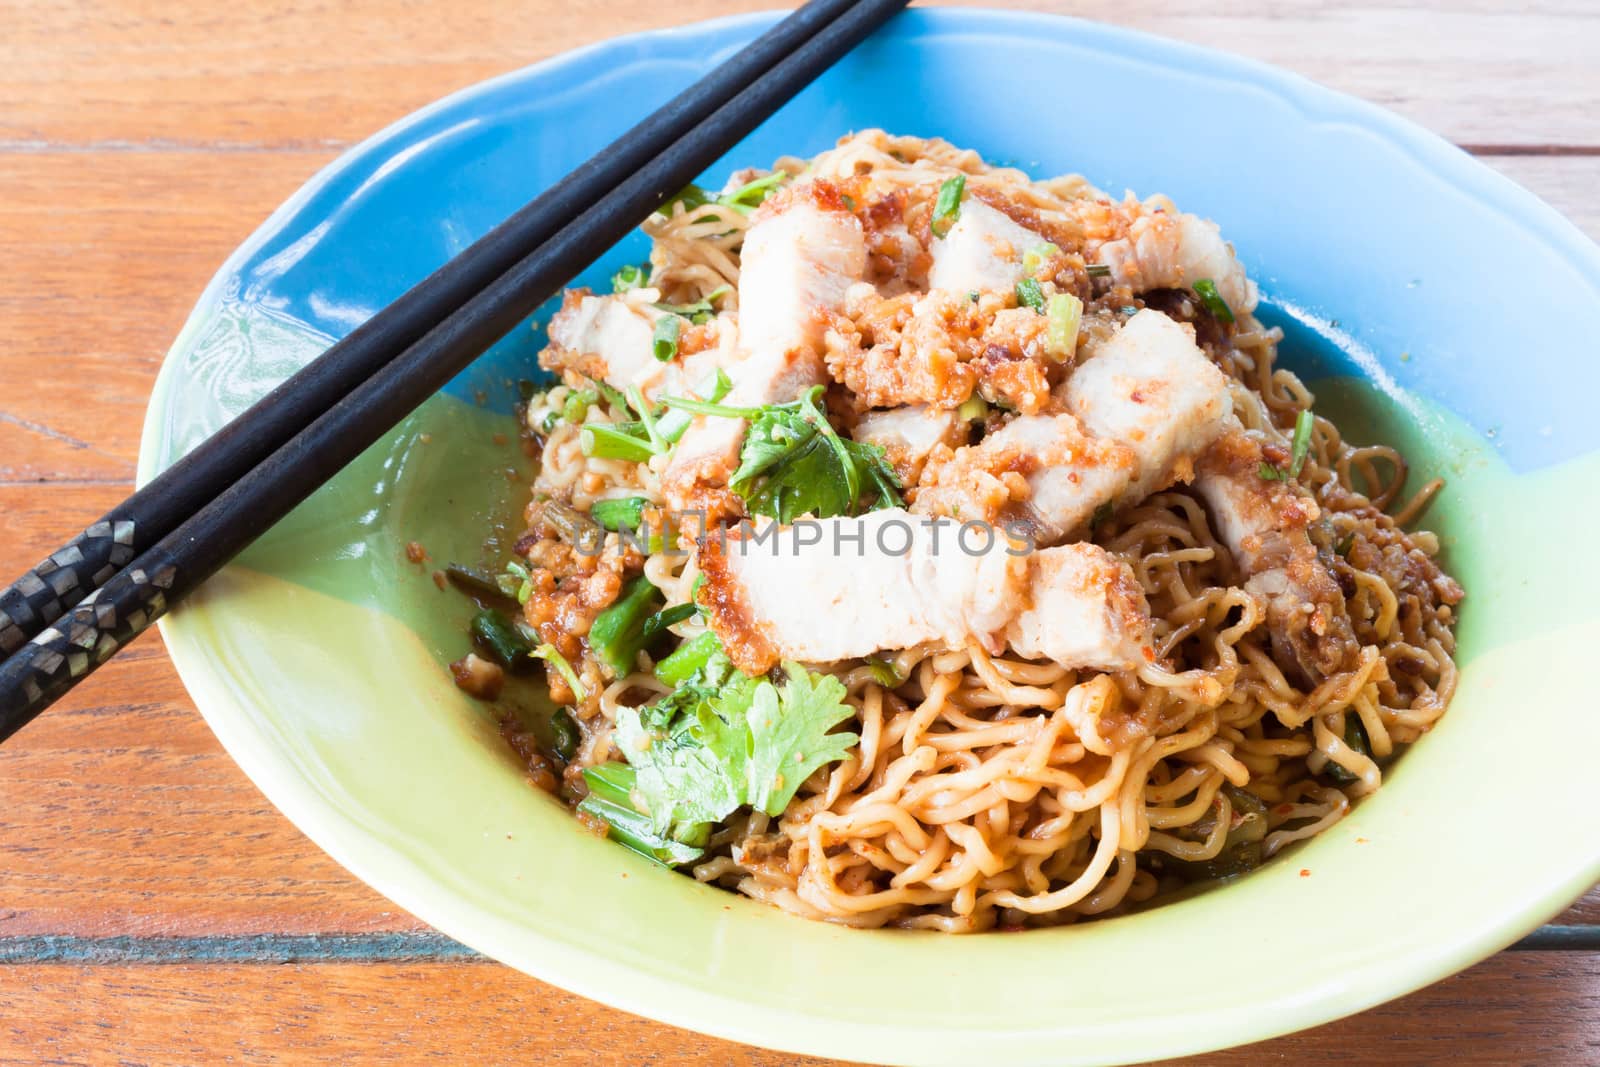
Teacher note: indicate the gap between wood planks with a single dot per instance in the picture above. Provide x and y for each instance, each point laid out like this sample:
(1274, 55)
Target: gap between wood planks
(425, 946)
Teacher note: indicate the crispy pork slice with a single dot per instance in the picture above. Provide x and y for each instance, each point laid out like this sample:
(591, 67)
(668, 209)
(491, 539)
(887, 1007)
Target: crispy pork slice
(1150, 387)
(803, 252)
(610, 339)
(983, 250)
(1142, 410)
(1042, 471)
(909, 435)
(1264, 525)
(842, 588)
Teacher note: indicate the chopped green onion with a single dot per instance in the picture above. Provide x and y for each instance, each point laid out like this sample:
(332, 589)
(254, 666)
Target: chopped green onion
(610, 800)
(1101, 514)
(706, 407)
(617, 635)
(751, 194)
(1344, 546)
(1206, 290)
(675, 422)
(564, 735)
(1355, 738)
(1268, 473)
(570, 524)
(667, 618)
(664, 338)
(972, 408)
(646, 419)
(947, 208)
(619, 513)
(701, 310)
(691, 197)
(475, 581)
(1304, 423)
(600, 441)
(516, 582)
(550, 655)
(972, 295)
(577, 404)
(687, 659)
(612, 395)
(1035, 257)
(1030, 295)
(502, 641)
(884, 672)
(1098, 270)
(630, 277)
(1061, 337)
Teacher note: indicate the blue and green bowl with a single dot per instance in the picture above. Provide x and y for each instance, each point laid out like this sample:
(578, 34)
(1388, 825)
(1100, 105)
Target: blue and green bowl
(1429, 302)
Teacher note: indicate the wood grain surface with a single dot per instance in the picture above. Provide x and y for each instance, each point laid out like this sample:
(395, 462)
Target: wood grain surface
(148, 893)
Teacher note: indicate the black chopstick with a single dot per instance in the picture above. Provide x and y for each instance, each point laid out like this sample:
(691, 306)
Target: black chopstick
(76, 569)
(134, 597)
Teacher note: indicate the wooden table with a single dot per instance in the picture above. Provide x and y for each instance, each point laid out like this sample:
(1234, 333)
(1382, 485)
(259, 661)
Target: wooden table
(154, 908)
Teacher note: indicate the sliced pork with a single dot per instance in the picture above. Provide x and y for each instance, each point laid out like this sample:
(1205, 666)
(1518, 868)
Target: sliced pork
(1263, 523)
(804, 251)
(909, 435)
(843, 588)
(1141, 410)
(982, 251)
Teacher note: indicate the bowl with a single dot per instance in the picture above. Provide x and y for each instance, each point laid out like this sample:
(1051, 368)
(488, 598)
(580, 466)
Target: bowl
(1429, 302)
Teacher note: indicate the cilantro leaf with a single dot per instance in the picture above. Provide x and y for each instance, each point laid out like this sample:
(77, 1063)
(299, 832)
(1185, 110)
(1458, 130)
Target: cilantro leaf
(793, 462)
(723, 740)
(789, 735)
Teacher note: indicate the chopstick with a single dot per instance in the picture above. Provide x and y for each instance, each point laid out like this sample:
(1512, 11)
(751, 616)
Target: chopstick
(76, 569)
(130, 600)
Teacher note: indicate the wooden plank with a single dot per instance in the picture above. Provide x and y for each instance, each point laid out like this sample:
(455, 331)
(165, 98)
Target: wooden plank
(103, 254)
(1517, 1007)
(307, 74)
(124, 816)
(1566, 183)
(1585, 912)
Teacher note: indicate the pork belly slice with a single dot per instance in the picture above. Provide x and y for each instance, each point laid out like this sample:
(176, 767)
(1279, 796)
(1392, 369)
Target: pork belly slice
(909, 435)
(842, 588)
(1142, 408)
(1166, 250)
(1264, 524)
(1150, 387)
(610, 339)
(983, 250)
(803, 252)
(1041, 471)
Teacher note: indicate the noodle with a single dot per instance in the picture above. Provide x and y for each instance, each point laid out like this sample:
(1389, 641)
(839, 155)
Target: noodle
(988, 791)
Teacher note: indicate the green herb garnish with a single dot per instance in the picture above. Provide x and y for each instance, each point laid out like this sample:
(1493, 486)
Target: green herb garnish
(884, 672)
(1206, 290)
(1304, 423)
(724, 740)
(1037, 256)
(619, 513)
(550, 655)
(1030, 295)
(1065, 312)
(701, 310)
(631, 276)
(1300, 447)
(947, 208)
(793, 462)
(664, 338)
